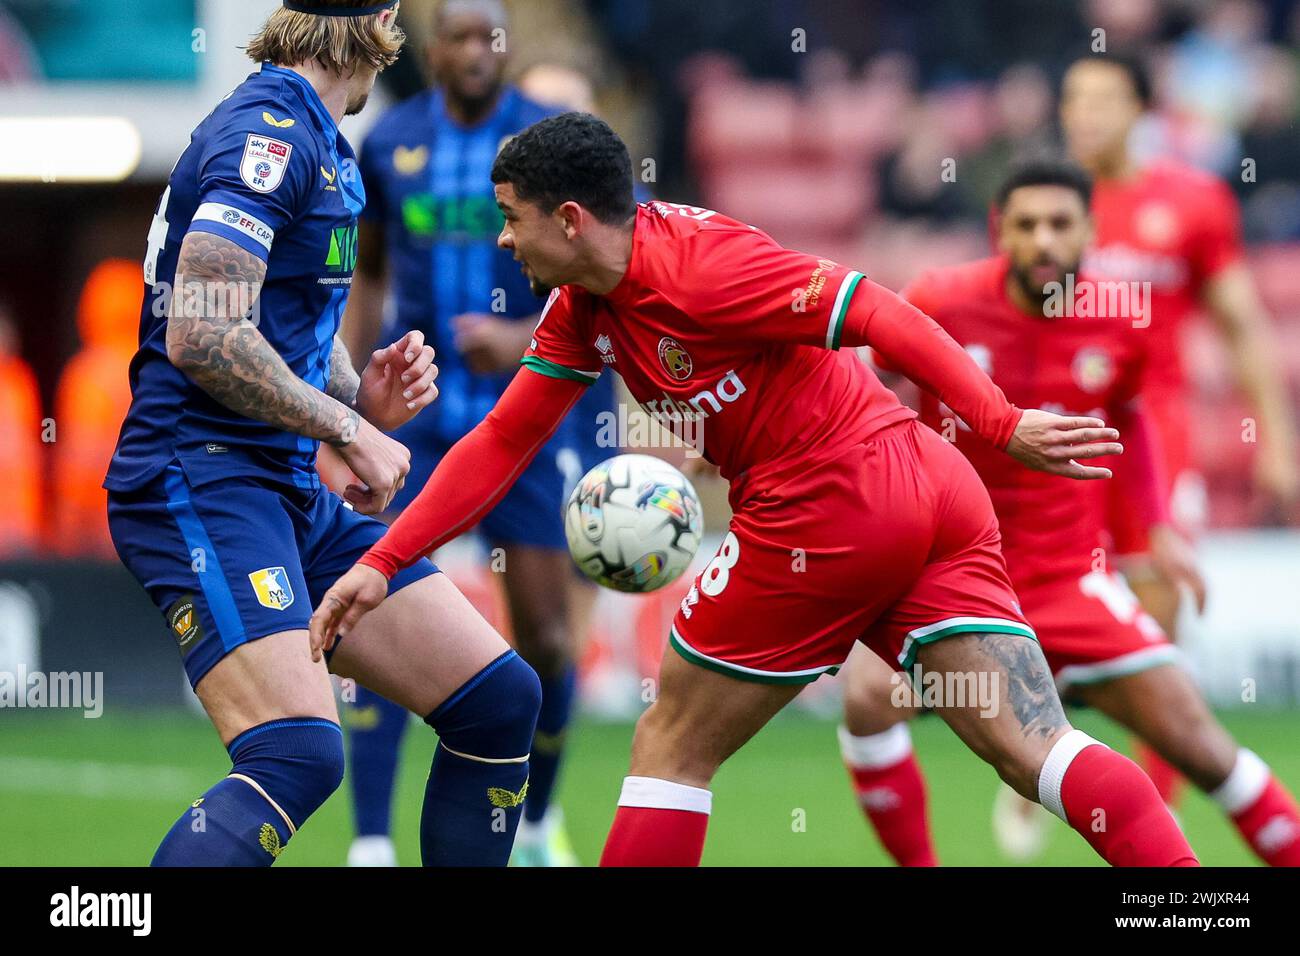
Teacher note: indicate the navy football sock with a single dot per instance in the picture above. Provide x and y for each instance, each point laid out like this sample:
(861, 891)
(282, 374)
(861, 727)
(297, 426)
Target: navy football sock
(283, 771)
(375, 729)
(479, 778)
(548, 742)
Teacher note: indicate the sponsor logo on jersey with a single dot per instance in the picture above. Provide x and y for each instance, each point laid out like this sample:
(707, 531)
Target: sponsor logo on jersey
(1121, 262)
(426, 216)
(606, 348)
(675, 359)
(329, 179)
(1093, 369)
(271, 585)
(701, 404)
(816, 282)
(264, 162)
(408, 161)
(277, 123)
(342, 255)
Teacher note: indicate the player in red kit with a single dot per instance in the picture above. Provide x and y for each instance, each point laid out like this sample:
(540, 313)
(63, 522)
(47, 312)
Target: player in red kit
(1178, 229)
(851, 520)
(1068, 353)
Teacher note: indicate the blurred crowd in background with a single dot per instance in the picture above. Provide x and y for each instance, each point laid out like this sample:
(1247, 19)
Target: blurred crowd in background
(825, 122)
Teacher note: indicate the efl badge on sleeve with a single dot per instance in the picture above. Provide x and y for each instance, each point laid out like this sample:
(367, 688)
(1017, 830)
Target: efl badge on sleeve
(264, 162)
(272, 588)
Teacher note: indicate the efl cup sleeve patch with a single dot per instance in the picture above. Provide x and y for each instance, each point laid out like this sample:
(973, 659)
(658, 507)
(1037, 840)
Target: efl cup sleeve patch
(244, 223)
(264, 162)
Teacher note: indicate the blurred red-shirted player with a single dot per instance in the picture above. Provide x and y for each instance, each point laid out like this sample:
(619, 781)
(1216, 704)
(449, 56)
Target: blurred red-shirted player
(850, 520)
(1071, 355)
(1178, 229)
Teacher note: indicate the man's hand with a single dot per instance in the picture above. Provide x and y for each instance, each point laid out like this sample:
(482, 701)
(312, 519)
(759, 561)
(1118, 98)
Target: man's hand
(1054, 443)
(398, 382)
(379, 462)
(490, 343)
(1174, 559)
(355, 594)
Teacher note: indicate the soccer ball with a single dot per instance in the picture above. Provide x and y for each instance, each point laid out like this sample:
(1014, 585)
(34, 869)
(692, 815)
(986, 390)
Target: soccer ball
(633, 523)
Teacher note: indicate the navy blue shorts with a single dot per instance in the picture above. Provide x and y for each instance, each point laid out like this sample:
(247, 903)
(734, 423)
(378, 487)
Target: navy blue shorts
(531, 513)
(233, 560)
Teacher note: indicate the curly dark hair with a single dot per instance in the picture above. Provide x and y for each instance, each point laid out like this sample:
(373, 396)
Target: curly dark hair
(1045, 172)
(573, 156)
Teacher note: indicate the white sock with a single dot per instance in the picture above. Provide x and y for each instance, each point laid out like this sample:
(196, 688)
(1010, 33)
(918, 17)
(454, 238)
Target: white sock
(657, 794)
(1249, 777)
(877, 750)
(1054, 767)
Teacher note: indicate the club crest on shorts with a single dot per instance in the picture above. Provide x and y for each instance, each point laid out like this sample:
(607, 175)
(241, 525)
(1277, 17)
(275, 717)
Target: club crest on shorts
(675, 359)
(272, 588)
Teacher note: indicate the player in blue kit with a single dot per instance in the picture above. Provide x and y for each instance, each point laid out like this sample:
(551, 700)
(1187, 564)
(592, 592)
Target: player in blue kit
(430, 230)
(214, 503)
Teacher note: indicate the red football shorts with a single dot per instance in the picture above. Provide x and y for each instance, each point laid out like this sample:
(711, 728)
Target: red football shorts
(1093, 629)
(893, 542)
(1182, 485)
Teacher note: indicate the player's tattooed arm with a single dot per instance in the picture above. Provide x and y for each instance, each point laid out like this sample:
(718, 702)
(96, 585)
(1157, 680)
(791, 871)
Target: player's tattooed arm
(344, 380)
(1030, 689)
(211, 340)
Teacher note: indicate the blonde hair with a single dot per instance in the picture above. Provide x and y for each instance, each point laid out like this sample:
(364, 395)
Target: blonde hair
(339, 44)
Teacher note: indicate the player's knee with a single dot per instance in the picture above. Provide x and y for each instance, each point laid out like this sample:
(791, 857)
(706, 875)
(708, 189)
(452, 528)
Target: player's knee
(493, 715)
(297, 763)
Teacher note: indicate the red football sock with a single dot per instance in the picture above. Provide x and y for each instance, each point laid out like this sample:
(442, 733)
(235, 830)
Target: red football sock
(1111, 803)
(891, 791)
(1168, 781)
(1263, 810)
(658, 823)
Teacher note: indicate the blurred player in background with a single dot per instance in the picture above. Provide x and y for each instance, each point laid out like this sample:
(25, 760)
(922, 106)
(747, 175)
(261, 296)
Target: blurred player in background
(214, 502)
(1178, 228)
(696, 313)
(1103, 648)
(429, 234)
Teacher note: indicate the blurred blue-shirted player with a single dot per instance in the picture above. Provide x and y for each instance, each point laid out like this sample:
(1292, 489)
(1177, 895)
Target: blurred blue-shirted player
(214, 503)
(430, 229)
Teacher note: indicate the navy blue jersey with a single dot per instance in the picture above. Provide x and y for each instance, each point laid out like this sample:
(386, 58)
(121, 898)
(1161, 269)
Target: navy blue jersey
(430, 187)
(268, 170)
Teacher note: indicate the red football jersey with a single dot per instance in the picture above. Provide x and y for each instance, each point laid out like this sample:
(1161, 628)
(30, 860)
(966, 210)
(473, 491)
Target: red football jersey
(717, 328)
(1068, 365)
(1175, 227)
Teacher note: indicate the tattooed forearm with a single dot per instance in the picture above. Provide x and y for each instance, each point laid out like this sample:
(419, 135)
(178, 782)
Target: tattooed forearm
(211, 340)
(1030, 689)
(344, 380)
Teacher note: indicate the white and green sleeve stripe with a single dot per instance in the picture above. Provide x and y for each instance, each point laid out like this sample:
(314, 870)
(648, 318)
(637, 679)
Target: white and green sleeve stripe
(835, 327)
(554, 370)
